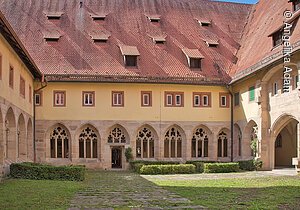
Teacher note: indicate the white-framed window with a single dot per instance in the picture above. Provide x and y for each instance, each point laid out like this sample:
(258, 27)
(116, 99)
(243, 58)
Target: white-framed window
(146, 98)
(178, 100)
(59, 98)
(205, 100)
(275, 88)
(223, 101)
(118, 98)
(88, 98)
(169, 99)
(38, 99)
(197, 100)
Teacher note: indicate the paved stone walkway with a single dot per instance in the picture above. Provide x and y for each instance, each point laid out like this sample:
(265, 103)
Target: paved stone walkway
(124, 190)
(250, 174)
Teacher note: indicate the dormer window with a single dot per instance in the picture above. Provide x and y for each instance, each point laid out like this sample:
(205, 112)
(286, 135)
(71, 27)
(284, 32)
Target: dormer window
(130, 54)
(211, 43)
(53, 36)
(204, 22)
(99, 37)
(277, 38)
(154, 18)
(194, 58)
(159, 39)
(100, 17)
(54, 15)
(195, 63)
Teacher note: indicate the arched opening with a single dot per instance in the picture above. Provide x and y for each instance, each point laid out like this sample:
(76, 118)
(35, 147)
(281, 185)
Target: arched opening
(173, 142)
(285, 142)
(145, 142)
(21, 138)
(30, 151)
(59, 142)
(251, 143)
(223, 141)
(237, 139)
(200, 141)
(10, 135)
(117, 139)
(89, 141)
(1, 138)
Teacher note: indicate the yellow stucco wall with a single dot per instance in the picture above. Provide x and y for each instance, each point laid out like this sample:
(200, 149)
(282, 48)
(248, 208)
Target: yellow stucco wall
(132, 109)
(246, 109)
(9, 57)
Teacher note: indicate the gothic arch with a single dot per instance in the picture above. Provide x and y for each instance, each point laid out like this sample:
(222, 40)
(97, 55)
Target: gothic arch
(89, 141)
(200, 141)
(117, 134)
(58, 142)
(10, 134)
(223, 143)
(237, 141)
(21, 138)
(146, 141)
(250, 133)
(174, 140)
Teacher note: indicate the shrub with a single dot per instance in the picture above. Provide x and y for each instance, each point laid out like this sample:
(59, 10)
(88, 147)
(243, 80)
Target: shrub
(168, 169)
(128, 154)
(221, 167)
(247, 165)
(42, 171)
(136, 165)
(199, 164)
(258, 164)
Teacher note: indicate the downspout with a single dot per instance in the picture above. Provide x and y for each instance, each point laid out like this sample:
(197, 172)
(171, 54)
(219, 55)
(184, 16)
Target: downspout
(231, 121)
(43, 85)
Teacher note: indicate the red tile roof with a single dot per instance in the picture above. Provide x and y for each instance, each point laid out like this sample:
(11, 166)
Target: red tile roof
(257, 45)
(127, 22)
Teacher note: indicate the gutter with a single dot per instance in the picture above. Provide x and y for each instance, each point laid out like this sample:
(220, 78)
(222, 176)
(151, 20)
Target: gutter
(231, 122)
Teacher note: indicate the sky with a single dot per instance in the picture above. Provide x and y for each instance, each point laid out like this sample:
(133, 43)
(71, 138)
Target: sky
(242, 1)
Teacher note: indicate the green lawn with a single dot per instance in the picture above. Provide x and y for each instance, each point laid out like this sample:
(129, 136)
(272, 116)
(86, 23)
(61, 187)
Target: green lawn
(238, 193)
(124, 190)
(37, 194)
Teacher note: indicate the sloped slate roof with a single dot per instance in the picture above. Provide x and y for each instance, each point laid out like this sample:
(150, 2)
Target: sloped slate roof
(126, 21)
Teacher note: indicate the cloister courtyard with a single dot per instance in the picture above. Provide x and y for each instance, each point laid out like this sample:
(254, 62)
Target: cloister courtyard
(127, 190)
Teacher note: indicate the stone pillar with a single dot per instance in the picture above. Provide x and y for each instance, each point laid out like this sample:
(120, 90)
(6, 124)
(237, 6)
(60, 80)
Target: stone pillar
(266, 141)
(298, 67)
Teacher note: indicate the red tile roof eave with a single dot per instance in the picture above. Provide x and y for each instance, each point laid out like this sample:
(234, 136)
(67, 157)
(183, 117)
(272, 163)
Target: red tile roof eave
(32, 66)
(133, 79)
(276, 57)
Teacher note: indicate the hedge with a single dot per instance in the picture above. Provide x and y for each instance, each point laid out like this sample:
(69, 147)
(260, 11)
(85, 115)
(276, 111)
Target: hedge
(168, 169)
(136, 165)
(199, 164)
(42, 171)
(221, 167)
(247, 165)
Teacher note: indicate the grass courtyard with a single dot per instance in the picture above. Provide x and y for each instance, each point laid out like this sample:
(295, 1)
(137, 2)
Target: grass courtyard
(125, 190)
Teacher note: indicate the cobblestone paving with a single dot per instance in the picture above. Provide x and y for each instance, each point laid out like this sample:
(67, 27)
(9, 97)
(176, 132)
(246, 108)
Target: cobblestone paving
(125, 190)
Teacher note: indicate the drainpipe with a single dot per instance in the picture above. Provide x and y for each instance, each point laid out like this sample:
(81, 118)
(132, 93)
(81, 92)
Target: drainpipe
(43, 85)
(231, 121)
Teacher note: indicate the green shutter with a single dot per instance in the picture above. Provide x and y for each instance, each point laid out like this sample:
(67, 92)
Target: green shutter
(251, 93)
